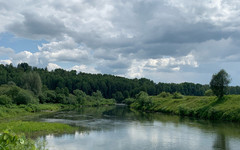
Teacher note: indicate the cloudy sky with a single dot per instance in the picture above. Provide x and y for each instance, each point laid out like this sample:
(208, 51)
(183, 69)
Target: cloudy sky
(163, 40)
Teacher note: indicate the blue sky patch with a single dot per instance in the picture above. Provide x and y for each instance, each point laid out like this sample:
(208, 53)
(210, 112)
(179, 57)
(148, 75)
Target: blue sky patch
(18, 44)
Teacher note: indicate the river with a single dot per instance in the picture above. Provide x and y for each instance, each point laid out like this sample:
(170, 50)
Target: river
(118, 128)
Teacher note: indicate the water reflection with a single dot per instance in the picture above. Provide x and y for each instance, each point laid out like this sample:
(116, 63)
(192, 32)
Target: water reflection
(119, 128)
(221, 143)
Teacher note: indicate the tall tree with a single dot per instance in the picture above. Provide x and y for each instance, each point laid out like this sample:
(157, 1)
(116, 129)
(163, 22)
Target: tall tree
(32, 81)
(219, 83)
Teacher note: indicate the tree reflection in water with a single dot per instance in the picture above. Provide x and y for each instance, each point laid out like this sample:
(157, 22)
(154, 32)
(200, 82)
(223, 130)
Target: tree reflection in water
(221, 143)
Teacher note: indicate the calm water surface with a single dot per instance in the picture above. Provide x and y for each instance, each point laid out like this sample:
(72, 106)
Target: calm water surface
(118, 128)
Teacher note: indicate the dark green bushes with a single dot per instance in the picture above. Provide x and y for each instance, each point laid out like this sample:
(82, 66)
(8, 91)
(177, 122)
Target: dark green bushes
(129, 101)
(164, 94)
(11, 94)
(177, 95)
(25, 97)
(5, 100)
(142, 102)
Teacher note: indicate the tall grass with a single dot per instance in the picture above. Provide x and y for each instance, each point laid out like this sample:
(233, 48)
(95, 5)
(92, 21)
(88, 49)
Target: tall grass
(31, 128)
(207, 107)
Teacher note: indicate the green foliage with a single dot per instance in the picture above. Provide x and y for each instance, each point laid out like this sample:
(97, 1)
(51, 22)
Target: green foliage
(5, 100)
(79, 93)
(129, 101)
(209, 93)
(30, 127)
(13, 91)
(177, 95)
(205, 107)
(11, 83)
(80, 97)
(32, 81)
(65, 82)
(11, 141)
(61, 98)
(219, 83)
(97, 94)
(143, 101)
(72, 99)
(49, 96)
(118, 96)
(25, 97)
(164, 94)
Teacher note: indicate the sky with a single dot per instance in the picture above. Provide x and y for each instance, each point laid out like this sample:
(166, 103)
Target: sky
(170, 41)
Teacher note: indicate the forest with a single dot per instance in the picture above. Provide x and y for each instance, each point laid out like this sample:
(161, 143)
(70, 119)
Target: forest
(60, 86)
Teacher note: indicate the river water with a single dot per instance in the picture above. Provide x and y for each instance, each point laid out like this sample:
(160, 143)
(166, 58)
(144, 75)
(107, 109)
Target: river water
(118, 128)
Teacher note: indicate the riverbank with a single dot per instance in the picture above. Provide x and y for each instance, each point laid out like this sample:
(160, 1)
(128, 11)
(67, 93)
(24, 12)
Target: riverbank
(11, 119)
(204, 107)
(17, 112)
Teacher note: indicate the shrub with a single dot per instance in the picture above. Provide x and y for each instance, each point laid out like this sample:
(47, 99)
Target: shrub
(129, 101)
(209, 93)
(11, 141)
(164, 94)
(78, 92)
(5, 100)
(143, 100)
(13, 92)
(72, 99)
(50, 96)
(81, 100)
(61, 98)
(11, 83)
(177, 95)
(24, 97)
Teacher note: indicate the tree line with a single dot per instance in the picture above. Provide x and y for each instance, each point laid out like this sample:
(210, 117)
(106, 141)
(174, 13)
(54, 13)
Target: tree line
(40, 80)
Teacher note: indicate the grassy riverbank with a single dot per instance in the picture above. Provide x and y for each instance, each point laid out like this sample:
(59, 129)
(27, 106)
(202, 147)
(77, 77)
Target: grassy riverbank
(17, 112)
(31, 128)
(11, 118)
(206, 107)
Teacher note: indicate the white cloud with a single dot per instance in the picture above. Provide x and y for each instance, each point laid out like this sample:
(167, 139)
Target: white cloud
(84, 68)
(176, 68)
(5, 62)
(52, 66)
(67, 50)
(140, 68)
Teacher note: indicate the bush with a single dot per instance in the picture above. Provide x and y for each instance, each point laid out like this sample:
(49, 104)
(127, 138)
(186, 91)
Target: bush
(50, 96)
(209, 93)
(11, 141)
(164, 94)
(143, 100)
(72, 99)
(61, 98)
(78, 92)
(177, 95)
(5, 100)
(81, 100)
(129, 101)
(24, 97)
(13, 91)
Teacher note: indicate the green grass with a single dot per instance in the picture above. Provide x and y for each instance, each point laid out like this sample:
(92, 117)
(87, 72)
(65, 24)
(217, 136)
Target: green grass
(31, 128)
(16, 112)
(207, 107)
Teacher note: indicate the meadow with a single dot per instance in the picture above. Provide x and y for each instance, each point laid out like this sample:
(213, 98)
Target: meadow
(226, 108)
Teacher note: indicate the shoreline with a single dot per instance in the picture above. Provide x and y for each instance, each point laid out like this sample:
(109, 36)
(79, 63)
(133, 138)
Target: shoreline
(199, 107)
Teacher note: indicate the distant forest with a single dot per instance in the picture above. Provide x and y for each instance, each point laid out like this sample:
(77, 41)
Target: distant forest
(110, 86)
